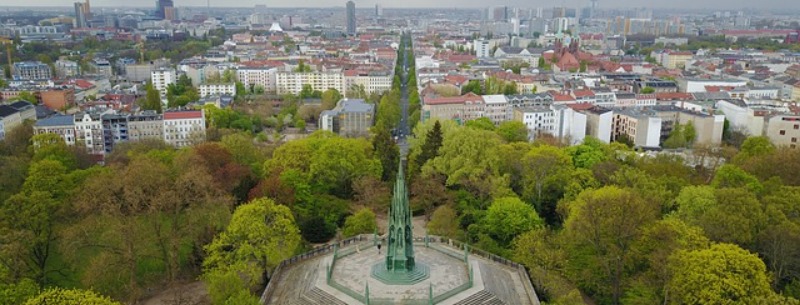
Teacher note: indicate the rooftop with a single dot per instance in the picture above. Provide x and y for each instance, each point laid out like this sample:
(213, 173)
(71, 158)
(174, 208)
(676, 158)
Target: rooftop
(58, 120)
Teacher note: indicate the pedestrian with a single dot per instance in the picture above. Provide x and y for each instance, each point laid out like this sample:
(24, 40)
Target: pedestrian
(379, 248)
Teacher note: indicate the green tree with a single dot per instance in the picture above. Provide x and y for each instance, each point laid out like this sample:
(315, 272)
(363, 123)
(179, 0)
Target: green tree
(444, 222)
(731, 176)
(754, 147)
(152, 100)
(28, 96)
(648, 90)
(690, 133)
(544, 166)
(362, 222)
(17, 293)
(463, 157)
(508, 217)
(483, 123)
(473, 86)
(387, 151)
(676, 138)
(260, 235)
(722, 274)
(329, 98)
(513, 131)
(60, 296)
(602, 226)
(432, 144)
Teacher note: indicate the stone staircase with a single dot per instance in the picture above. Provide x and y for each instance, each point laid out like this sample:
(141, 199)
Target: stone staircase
(316, 296)
(481, 298)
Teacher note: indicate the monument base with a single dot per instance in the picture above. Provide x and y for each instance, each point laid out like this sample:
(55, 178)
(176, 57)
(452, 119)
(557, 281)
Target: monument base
(420, 273)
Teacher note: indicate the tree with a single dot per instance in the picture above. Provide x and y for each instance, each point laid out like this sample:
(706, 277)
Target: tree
(726, 215)
(444, 222)
(513, 131)
(152, 100)
(329, 98)
(731, 176)
(676, 138)
(28, 97)
(60, 296)
(463, 157)
(260, 235)
(508, 217)
(473, 86)
(387, 151)
(362, 222)
(648, 90)
(430, 148)
(542, 166)
(754, 147)
(603, 225)
(690, 133)
(721, 274)
(483, 123)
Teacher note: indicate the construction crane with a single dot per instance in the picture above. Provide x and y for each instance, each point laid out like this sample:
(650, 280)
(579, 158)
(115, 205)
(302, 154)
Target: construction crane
(8, 42)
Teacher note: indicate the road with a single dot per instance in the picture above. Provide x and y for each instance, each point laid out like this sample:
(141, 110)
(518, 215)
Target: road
(403, 129)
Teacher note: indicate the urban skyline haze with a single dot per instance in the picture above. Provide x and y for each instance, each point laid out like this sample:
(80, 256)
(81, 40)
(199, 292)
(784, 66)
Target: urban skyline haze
(712, 4)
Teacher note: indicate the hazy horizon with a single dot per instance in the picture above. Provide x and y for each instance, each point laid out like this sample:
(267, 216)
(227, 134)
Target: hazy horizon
(676, 4)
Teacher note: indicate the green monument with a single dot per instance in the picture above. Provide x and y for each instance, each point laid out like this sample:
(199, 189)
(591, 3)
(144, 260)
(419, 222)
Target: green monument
(399, 267)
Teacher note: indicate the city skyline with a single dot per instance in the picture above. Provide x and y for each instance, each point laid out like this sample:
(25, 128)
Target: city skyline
(688, 4)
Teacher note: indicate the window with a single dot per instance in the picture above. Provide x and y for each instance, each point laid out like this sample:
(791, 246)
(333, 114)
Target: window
(783, 132)
(794, 140)
(796, 127)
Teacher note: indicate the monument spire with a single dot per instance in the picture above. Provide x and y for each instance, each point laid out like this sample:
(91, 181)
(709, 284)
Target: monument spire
(400, 250)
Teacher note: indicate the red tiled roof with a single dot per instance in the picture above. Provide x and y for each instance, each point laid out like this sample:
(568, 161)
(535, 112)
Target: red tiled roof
(453, 99)
(583, 93)
(182, 115)
(580, 106)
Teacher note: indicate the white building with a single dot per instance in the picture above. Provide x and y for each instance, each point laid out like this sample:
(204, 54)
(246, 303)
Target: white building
(497, 108)
(483, 49)
(161, 79)
(372, 82)
(89, 133)
(695, 85)
(13, 115)
(258, 77)
(184, 128)
(217, 89)
(292, 82)
(643, 129)
(741, 117)
(62, 125)
(557, 120)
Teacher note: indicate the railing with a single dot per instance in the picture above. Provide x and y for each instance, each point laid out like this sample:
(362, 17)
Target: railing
(335, 247)
(321, 250)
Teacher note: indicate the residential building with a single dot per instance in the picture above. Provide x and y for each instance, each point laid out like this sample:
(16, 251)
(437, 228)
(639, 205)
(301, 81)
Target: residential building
(372, 81)
(31, 70)
(89, 133)
(102, 66)
(642, 129)
(675, 59)
(217, 89)
(695, 85)
(67, 69)
(80, 15)
(184, 127)
(258, 77)
(350, 118)
(292, 82)
(147, 125)
(162, 78)
(460, 108)
(497, 108)
(559, 121)
(741, 117)
(62, 125)
(115, 130)
(13, 115)
(598, 123)
(483, 49)
(783, 129)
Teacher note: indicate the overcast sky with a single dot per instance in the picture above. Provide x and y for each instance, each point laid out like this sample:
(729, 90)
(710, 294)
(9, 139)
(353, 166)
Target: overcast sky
(715, 4)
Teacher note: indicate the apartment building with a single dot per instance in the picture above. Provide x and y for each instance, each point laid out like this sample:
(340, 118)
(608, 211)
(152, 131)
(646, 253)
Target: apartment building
(558, 121)
(62, 125)
(147, 125)
(293, 82)
(31, 70)
(184, 127)
(255, 77)
(162, 78)
(372, 81)
(783, 129)
(13, 115)
(460, 108)
(89, 133)
(217, 89)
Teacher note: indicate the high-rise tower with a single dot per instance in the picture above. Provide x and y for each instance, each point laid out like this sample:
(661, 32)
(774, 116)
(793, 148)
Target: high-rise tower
(351, 18)
(161, 7)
